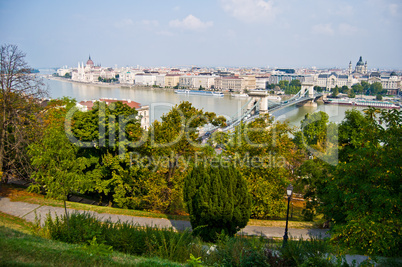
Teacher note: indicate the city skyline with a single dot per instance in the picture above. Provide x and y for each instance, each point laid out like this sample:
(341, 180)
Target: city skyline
(237, 33)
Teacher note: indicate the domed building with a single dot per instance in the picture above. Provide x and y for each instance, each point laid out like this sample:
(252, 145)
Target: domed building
(361, 67)
(90, 63)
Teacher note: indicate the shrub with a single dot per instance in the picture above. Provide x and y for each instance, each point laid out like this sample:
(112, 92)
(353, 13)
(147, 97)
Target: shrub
(217, 200)
(102, 237)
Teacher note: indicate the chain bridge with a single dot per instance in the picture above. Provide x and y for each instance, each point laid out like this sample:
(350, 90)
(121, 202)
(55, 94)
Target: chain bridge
(259, 103)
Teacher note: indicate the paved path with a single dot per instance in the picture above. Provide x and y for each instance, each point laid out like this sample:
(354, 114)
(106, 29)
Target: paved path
(28, 212)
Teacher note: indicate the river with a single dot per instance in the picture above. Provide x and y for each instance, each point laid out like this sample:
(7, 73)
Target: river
(160, 101)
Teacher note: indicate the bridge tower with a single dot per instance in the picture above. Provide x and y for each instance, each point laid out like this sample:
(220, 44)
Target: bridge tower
(256, 96)
(310, 87)
(307, 86)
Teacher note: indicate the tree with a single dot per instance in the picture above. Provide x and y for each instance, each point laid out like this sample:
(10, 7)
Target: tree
(266, 157)
(358, 88)
(335, 91)
(376, 88)
(283, 84)
(176, 139)
(111, 130)
(67, 75)
(344, 89)
(378, 97)
(19, 108)
(58, 170)
(317, 134)
(363, 198)
(295, 83)
(351, 93)
(217, 200)
(318, 88)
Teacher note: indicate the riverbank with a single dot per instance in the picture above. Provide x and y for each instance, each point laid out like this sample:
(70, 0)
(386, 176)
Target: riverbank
(98, 84)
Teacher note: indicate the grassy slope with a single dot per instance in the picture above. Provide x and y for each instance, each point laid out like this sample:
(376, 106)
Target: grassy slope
(19, 248)
(16, 193)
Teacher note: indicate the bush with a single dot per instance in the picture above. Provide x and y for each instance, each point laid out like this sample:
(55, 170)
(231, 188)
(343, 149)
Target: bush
(217, 200)
(102, 237)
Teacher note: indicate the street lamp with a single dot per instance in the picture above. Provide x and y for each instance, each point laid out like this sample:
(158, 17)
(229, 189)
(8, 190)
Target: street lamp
(289, 191)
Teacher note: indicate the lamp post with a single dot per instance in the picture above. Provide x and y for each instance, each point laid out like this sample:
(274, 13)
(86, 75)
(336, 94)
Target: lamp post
(289, 191)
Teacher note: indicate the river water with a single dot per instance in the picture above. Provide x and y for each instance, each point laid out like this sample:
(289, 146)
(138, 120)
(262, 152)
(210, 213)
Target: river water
(160, 101)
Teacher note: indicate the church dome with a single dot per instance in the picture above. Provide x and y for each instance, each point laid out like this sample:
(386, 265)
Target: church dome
(90, 62)
(360, 62)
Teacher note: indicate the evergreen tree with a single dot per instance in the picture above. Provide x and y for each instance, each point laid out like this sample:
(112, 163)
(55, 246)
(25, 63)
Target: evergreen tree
(217, 200)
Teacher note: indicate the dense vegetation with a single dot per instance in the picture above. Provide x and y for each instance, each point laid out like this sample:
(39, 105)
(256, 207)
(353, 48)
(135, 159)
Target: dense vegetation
(350, 172)
(218, 201)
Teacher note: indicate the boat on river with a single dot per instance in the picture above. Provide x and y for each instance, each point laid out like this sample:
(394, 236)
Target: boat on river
(199, 92)
(362, 103)
(239, 95)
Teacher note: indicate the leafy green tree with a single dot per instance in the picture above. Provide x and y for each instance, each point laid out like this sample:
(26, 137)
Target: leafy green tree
(218, 201)
(376, 88)
(67, 75)
(318, 88)
(283, 84)
(344, 89)
(378, 97)
(365, 85)
(19, 112)
(358, 88)
(363, 197)
(335, 91)
(267, 158)
(317, 134)
(58, 170)
(175, 139)
(351, 93)
(111, 130)
(295, 83)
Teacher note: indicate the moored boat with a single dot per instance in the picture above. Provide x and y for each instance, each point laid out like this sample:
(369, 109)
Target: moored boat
(239, 95)
(199, 92)
(362, 103)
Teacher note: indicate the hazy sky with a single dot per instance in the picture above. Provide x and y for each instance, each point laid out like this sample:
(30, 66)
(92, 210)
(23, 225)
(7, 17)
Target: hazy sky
(274, 33)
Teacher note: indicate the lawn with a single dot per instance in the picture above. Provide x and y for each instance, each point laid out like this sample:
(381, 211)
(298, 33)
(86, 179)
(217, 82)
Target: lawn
(19, 248)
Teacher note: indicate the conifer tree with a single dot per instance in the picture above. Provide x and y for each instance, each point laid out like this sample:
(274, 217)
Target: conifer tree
(217, 200)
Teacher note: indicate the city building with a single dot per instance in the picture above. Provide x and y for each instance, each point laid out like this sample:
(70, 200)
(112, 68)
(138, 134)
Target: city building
(91, 73)
(231, 83)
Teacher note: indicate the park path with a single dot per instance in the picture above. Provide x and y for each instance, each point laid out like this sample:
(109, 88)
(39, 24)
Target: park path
(28, 212)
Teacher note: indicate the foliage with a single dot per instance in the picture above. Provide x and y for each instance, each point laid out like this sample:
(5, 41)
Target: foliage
(267, 158)
(217, 200)
(335, 92)
(283, 84)
(125, 237)
(364, 198)
(378, 97)
(376, 88)
(344, 89)
(19, 112)
(318, 89)
(58, 170)
(318, 139)
(351, 94)
(174, 141)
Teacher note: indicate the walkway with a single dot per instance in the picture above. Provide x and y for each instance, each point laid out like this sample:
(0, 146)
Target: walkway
(28, 212)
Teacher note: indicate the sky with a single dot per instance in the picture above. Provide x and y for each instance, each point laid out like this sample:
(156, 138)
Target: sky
(221, 33)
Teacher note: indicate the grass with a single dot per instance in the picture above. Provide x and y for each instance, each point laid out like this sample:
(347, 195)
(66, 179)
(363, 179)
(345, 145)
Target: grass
(18, 248)
(18, 193)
